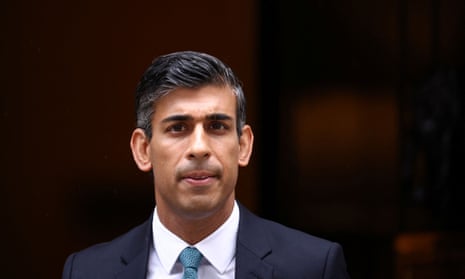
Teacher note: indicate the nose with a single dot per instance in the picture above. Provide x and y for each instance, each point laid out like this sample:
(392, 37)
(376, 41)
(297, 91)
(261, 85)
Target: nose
(199, 146)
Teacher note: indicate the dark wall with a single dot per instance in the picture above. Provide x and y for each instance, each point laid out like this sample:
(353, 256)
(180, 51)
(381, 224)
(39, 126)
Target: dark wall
(369, 99)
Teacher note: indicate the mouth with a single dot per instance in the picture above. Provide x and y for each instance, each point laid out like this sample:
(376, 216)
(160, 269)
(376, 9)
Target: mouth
(199, 178)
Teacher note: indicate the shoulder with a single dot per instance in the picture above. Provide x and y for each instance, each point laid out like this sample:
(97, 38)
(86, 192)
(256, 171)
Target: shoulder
(291, 239)
(277, 234)
(291, 252)
(115, 248)
(105, 259)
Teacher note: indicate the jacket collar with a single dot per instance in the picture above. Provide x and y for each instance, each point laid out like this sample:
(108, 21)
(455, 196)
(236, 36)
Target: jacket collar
(135, 258)
(252, 247)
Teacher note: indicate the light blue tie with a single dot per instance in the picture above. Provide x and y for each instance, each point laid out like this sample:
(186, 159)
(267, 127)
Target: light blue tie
(190, 259)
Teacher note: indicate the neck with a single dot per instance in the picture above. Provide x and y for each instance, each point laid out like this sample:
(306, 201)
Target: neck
(194, 229)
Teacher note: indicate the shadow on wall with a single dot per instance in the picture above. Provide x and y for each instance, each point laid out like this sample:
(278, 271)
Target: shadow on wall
(101, 209)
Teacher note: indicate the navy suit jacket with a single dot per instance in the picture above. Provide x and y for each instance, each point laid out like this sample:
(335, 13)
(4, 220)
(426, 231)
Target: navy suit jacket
(265, 249)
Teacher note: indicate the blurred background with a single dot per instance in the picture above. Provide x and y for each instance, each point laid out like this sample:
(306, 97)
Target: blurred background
(358, 109)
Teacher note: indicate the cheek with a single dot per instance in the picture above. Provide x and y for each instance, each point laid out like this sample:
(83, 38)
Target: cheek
(229, 153)
(164, 160)
(166, 150)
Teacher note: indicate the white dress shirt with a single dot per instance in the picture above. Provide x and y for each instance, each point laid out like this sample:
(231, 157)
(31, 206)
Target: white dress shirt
(218, 250)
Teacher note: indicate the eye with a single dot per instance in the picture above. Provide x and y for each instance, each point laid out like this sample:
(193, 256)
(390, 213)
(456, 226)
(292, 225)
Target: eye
(177, 128)
(218, 126)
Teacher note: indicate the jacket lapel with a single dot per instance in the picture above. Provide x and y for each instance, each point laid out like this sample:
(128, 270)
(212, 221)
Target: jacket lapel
(252, 248)
(134, 260)
(136, 269)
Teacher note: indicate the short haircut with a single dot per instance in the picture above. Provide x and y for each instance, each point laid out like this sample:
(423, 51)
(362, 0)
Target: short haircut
(186, 69)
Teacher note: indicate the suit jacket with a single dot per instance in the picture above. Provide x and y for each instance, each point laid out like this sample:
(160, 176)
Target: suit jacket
(265, 249)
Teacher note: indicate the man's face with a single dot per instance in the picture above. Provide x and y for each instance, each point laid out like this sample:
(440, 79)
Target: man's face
(195, 151)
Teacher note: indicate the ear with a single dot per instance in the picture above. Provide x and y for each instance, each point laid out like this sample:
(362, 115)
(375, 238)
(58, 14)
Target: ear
(245, 145)
(140, 146)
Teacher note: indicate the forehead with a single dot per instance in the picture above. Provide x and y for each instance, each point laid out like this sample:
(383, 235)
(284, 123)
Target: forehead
(197, 102)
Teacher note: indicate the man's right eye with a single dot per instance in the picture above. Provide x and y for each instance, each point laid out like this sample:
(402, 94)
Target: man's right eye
(176, 128)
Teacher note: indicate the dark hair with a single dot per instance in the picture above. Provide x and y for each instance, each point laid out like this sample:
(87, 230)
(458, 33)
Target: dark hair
(187, 69)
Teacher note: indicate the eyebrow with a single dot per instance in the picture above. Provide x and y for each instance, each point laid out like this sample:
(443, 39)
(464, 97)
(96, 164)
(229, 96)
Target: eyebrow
(219, 116)
(186, 117)
(177, 117)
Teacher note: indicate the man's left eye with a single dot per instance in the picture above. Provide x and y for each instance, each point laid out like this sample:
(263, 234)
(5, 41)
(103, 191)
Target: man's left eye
(218, 126)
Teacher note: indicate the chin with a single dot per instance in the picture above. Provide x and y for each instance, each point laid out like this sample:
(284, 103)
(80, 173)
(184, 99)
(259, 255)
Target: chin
(201, 208)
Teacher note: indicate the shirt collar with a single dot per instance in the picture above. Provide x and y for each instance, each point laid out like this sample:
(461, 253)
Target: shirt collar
(218, 248)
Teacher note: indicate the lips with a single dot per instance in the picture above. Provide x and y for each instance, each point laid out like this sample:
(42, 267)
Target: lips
(199, 178)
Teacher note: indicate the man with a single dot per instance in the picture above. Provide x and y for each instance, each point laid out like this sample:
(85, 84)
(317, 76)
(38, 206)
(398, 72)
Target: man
(191, 134)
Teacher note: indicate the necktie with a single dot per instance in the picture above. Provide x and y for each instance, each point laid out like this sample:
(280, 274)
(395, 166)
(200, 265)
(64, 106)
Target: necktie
(190, 259)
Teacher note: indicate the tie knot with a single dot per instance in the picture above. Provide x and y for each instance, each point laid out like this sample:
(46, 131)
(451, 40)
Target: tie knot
(190, 257)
